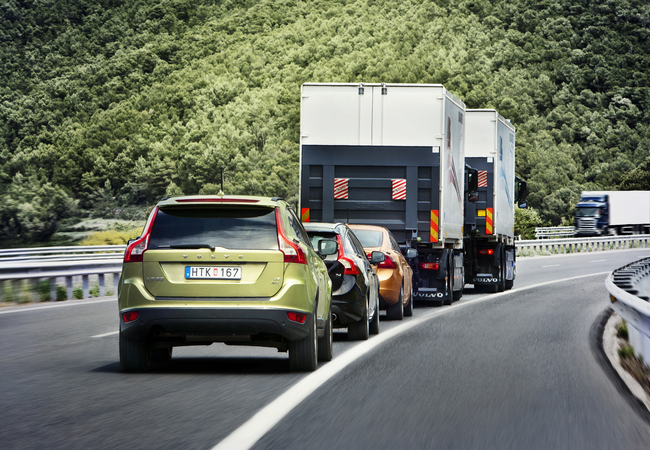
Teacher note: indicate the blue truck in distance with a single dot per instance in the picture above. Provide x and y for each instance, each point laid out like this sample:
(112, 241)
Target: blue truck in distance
(603, 213)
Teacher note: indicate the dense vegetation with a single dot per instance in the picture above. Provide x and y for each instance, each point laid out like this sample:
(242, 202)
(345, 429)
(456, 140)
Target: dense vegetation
(106, 105)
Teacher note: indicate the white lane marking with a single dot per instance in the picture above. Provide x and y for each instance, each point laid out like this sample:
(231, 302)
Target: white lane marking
(105, 334)
(552, 265)
(598, 260)
(244, 437)
(58, 305)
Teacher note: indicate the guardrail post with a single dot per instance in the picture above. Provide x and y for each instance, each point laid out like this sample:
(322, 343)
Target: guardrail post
(116, 279)
(68, 285)
(102, 287)
(15, 290)
(85, 284)
(52, 289)
(34, 295)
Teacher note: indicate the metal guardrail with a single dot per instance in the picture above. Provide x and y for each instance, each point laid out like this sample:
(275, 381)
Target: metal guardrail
(576, 245)
(629, 290)
(54, 263)
(553, 232)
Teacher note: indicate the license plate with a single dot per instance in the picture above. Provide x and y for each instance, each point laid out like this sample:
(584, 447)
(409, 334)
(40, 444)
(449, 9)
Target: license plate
(212, 273)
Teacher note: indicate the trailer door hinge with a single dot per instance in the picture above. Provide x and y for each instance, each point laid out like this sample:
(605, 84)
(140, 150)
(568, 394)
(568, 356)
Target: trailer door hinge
(304, 134)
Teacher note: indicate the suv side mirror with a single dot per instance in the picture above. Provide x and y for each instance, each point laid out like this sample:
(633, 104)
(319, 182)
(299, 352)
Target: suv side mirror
(377, 257)
(328, 247)
(411, 253)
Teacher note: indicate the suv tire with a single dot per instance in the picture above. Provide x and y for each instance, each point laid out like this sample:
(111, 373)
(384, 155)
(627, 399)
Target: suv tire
(396, 311)
(408, 309)
(326, 342)
(135, 356)
(360, 331)
(303, 353)
(162, 354)
(374, 324)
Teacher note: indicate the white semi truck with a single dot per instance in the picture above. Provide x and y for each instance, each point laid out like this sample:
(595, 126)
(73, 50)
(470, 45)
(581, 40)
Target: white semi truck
(613, 213)
(394, 155)
(490, 221)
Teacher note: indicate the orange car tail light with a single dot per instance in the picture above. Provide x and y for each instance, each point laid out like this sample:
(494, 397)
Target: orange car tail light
(387, 263)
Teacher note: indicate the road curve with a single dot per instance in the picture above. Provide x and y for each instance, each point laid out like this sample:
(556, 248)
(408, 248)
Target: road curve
(513, 371)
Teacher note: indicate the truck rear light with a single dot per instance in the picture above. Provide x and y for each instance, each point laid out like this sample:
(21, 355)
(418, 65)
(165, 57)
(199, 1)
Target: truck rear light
(387, 263)
(486, 251)
(429, 266)
(135, 250)
(297, 317)
(130, 316)
(292, 251)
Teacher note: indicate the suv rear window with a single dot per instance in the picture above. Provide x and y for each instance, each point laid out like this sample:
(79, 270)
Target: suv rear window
(227, 227)
(369, 238)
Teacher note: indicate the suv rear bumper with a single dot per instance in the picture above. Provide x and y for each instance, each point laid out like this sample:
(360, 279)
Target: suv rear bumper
(212, 323)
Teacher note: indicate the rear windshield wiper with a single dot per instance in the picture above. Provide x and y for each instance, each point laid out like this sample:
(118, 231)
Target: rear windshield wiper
(211, 247)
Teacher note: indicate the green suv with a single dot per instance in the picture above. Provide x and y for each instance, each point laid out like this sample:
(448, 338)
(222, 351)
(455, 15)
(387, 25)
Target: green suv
(234, 269)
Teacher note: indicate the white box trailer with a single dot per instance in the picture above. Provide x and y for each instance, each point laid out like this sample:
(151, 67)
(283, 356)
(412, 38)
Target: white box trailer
(372, 134)
(490, 222)
(490, 148)
(390, 155)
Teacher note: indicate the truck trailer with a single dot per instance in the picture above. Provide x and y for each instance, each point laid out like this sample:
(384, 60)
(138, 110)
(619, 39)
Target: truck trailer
(394, 155)
(489, 222)
(602, 213)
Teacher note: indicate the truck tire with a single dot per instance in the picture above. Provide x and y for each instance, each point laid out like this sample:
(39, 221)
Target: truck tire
(501, 286)
(459, 294)
(360, 331)
(303, 353)
(449, 295)
(396, 311)
(135, 356)
(326, 342)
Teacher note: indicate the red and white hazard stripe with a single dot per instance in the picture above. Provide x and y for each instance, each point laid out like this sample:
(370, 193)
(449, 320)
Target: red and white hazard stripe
(399, 189)
(482, 178)
(341, 188)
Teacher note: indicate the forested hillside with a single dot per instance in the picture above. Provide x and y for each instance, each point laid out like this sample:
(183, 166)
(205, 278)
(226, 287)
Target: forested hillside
(107, 104)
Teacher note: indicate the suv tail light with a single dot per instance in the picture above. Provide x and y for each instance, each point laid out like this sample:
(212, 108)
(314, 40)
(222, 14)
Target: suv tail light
(387, 263)
(349, 265)
(429, 266)
(135, 250)
(292, 251)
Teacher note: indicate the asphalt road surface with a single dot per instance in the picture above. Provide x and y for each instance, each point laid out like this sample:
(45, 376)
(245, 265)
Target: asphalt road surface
(515, 370)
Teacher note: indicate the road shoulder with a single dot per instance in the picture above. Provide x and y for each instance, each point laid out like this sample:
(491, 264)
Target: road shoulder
(610, 344)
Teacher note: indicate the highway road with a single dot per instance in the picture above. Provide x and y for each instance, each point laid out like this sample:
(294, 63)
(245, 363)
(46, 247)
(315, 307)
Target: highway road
(515, 370)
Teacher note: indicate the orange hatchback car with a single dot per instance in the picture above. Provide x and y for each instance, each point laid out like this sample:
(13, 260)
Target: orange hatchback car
(395, 274)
